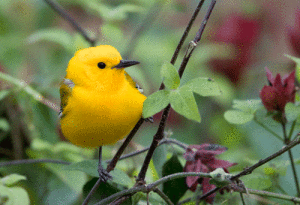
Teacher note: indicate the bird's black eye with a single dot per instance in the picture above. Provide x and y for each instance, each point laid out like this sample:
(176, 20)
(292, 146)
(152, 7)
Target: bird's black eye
(101, 65)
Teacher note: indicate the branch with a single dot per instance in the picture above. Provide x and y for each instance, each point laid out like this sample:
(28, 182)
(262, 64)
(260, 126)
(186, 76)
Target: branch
(160, 132)
(258, 164)
(32, 161)
(163, 196)
(58, 9)
(150, 187)
(114, 161)
(271, 194)
(286, 141)
(163, 141)
(184, 36)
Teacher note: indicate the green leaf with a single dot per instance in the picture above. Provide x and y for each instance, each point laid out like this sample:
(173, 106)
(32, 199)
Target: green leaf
(20, 196)
(297, 61)
(87, 166)
(91, 168)
(292, 111)
(245, 111)
(114, 13)
(204, 87)
(257, 181)
(121, 178)
(249, 106)
(155, 103)
(4, 125)
(238, 117)
(3, 94)
(58, 36)
(175, 188)
(6, 195)
(103, 191)
(170, 76)
(184, 103)
(12, 179)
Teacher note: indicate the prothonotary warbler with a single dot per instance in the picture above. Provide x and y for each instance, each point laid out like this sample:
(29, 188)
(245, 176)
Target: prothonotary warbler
(100, 103)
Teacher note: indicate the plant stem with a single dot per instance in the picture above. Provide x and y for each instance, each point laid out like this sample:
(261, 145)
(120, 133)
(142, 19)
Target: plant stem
(286, 141)
(184, 36)
(242, 198)
(292, 129)
(268, 129)
(114, 161)
(160, 132)
(259, 193)
(258, 164)
(150, 187)
(163, 141)
(163, 196)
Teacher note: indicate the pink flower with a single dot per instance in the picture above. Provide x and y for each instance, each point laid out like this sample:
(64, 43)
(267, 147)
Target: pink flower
(242, 32)
(201, 158)
(279, 91)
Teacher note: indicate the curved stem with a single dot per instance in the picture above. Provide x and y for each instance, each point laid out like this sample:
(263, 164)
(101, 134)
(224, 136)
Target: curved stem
(163, 196)
(152, 186)
(258, 164)
(268, 129)
(292, 129)
(286, 141)
(160, 132)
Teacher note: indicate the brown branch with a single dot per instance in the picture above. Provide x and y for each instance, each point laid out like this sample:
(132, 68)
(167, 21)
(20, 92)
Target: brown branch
(58, 9)
(160, 132)
(258, 164)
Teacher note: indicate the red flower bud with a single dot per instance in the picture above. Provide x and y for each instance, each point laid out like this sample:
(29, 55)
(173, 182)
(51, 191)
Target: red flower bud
(279, 92)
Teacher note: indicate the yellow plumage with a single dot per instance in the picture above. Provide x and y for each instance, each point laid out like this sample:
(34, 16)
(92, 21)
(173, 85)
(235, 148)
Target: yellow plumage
(99, 105)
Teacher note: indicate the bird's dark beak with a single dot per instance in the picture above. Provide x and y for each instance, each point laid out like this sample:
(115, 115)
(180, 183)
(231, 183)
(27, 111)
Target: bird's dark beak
(126, 63)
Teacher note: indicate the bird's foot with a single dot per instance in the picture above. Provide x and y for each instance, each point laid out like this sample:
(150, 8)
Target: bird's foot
(149, 119)
(103, 174)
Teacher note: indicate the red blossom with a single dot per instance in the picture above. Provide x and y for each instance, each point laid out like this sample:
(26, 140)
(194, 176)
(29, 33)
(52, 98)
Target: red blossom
(279, 92)
(201, 158)
(294, 33)
(242, 32)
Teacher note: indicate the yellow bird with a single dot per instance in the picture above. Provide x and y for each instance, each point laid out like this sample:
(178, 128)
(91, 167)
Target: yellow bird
(100, 103)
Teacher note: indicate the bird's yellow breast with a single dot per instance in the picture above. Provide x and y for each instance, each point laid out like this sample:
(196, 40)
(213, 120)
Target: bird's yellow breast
(96, 117)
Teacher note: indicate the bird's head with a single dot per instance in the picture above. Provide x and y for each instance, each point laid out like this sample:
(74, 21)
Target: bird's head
(99, 63)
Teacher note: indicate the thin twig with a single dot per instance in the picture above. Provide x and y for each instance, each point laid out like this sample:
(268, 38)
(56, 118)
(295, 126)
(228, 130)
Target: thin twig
(256, 165)
(150, 187)
(56, 7)
(259, 193)
(242, 198)
(163, 141)
(292, 130)
(268, 129)
(184, 36)
(160, 132)
(163, 196)
(93, 190)
(32, 161)
(114, 161)
(286, 141)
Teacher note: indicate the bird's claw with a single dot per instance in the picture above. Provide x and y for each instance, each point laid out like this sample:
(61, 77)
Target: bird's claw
(149, 119)
(103, 174)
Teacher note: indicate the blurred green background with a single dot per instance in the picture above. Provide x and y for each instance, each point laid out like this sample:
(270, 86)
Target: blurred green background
(240, 40)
